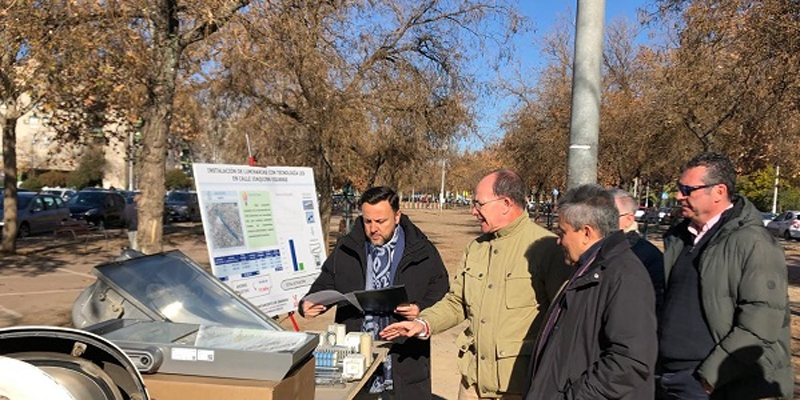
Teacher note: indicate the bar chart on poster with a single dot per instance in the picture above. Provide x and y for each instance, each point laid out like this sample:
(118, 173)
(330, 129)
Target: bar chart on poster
(263, 231)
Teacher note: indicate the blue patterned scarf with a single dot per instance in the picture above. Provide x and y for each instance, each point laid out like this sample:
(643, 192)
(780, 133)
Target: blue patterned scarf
(382, 264)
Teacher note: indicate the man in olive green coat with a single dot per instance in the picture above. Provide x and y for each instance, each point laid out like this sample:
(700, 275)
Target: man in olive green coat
(503, 287)
(724, 327)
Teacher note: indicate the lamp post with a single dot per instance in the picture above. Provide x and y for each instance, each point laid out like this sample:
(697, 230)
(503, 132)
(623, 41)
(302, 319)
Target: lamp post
(35, 121)
(36, 139)
(130, 160)
(445, 147)
(33, 156)
(775, 189)
(132, 150)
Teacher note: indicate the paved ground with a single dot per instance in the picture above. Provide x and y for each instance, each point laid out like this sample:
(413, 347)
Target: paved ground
(38, 286)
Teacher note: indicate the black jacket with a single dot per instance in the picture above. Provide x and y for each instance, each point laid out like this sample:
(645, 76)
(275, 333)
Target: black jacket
(130, 215)
(422, 272)
(653, 260)
(603, 345)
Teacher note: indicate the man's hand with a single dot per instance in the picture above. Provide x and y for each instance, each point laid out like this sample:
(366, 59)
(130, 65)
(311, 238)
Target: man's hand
(408, 311)
(706, 386)
(311, 310)
(404, 328)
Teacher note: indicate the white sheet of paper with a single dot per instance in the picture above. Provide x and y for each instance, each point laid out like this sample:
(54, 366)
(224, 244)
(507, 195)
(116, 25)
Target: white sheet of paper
(330, 297)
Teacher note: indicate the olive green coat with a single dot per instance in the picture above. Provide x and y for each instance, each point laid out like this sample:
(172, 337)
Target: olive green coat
(503, 287)
(743, 291)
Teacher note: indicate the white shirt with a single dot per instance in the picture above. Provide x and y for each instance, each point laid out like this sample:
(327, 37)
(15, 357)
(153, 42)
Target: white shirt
(705, 228)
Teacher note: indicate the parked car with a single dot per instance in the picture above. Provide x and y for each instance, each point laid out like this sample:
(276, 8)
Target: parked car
(767, 217)
(786, 225)
(182, 206)
(37, 213)
(653, 215)
(639, 214)
(673, 216)
(98, 207)
(64, 193)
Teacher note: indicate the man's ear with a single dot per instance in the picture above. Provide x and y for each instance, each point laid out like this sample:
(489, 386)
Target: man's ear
(588, 233)
(720, 191)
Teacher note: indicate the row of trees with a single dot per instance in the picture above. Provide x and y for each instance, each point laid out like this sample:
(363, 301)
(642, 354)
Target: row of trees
(380, 91)
(358, 90)
(722, 75)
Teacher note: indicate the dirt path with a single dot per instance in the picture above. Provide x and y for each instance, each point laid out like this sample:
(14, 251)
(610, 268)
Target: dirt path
(39, 286)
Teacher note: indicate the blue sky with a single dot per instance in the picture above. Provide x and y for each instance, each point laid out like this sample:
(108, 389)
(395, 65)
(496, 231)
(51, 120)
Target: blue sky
(542, 15)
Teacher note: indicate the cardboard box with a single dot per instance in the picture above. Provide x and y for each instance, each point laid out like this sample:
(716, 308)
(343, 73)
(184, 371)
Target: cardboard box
(298, 384)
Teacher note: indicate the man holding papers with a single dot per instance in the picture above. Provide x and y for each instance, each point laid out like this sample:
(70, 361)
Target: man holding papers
(385, 249)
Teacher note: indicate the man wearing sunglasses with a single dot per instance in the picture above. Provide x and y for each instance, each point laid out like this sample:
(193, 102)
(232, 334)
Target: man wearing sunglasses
(504, 285)
(724, 328)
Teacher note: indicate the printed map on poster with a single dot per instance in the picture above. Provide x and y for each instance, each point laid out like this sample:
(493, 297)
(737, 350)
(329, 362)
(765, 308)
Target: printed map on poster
(263, 231)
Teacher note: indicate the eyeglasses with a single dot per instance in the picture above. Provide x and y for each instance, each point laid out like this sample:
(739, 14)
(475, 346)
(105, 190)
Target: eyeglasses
(625, 214)
(478, 205)
(687, 190)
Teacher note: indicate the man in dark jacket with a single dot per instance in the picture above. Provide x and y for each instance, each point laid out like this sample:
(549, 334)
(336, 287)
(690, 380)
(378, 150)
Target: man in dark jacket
(650, 256)
(724, 330)
(599, 341)
(385, 249)
(130, 216)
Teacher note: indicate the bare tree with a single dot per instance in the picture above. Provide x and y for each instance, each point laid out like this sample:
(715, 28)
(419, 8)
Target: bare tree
(355, 89)
(733, 76)
(33, 39)
(144, 54)
(537, 134)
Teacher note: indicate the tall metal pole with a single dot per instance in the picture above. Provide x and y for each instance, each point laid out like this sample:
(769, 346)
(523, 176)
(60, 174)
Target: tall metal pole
(775, 191)
(33, 155)
(130, 160)
(585, 120)
(441, 192)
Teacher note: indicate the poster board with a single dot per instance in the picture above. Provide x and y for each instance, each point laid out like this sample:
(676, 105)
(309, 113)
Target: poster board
(262, 230)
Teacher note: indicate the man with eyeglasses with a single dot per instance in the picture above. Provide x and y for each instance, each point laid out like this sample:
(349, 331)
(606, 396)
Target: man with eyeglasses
(504, 285)
(724, 330)
(650, 256)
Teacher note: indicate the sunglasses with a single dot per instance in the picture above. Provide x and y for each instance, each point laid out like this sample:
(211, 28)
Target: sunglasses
(687, 190)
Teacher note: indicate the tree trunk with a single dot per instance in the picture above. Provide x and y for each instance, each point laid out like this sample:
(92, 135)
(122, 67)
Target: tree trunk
(151, 205)
(10, 185)
(158, 118)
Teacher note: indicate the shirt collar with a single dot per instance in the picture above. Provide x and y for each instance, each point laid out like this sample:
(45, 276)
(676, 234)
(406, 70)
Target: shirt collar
(708, 225)
(590, 252)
